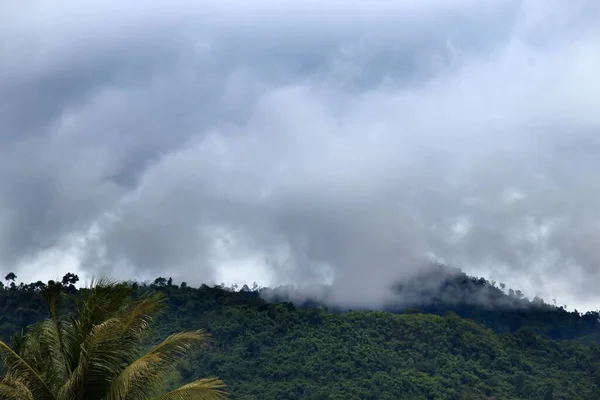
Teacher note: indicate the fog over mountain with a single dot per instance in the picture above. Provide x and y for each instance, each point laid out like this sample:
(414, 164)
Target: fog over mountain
(305, 142)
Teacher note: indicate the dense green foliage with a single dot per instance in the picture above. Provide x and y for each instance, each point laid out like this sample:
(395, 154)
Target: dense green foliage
(443, 289)
(279, 350)
(101, 349)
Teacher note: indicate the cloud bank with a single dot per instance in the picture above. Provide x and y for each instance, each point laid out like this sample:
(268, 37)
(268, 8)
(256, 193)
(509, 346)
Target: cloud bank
(303, 142)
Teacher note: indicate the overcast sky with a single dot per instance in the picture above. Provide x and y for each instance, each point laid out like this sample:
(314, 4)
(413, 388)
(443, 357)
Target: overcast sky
(303, 141)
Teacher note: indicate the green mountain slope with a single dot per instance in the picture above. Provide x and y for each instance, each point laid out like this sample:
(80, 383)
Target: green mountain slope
(278, 350)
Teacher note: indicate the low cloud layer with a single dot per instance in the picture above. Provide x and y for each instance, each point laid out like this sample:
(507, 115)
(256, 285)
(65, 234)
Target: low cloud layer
(302, 142)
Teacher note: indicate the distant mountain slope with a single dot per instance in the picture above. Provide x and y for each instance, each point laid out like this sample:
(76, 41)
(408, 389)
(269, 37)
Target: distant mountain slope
(442, 289)
(504, 310)
(279, 350)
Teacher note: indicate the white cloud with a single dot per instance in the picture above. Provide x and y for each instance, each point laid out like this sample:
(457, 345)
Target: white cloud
(349, 139)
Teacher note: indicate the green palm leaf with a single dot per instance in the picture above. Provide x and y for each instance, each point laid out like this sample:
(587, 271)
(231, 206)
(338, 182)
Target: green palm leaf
(202, 389)
(97, 354)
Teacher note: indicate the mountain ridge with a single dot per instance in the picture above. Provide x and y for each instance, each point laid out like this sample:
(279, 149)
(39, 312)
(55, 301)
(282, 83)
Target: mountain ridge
(284, 350)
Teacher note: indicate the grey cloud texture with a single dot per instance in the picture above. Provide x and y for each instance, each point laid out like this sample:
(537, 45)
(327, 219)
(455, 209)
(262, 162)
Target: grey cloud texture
(303, 142)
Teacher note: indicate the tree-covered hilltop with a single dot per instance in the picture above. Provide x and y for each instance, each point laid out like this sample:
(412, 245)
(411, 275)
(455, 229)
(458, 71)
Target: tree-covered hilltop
(281, 350)
(441, 289)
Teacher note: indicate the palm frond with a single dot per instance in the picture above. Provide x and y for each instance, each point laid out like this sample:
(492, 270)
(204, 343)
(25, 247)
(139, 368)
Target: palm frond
(180, 344)
(102, 356)
(50, 333)
(137, 381)
(11, 389)
(38, 347)
(142, 377)
(20, 370)
(103, 301)
(139, 318)
(96, 353)
(202, 389)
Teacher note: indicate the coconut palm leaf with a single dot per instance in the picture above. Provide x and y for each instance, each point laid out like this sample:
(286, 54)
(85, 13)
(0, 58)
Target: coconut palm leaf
(97, 354)
(202, 389)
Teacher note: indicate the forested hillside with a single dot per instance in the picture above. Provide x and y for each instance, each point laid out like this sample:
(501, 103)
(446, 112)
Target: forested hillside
(280, 350)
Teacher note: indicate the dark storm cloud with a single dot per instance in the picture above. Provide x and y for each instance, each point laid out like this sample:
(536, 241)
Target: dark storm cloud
(303, 142)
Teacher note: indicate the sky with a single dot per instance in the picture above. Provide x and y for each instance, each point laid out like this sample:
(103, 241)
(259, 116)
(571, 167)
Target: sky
(303, 142)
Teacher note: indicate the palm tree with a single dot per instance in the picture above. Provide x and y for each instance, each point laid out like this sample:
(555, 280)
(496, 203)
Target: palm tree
(101, 352)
